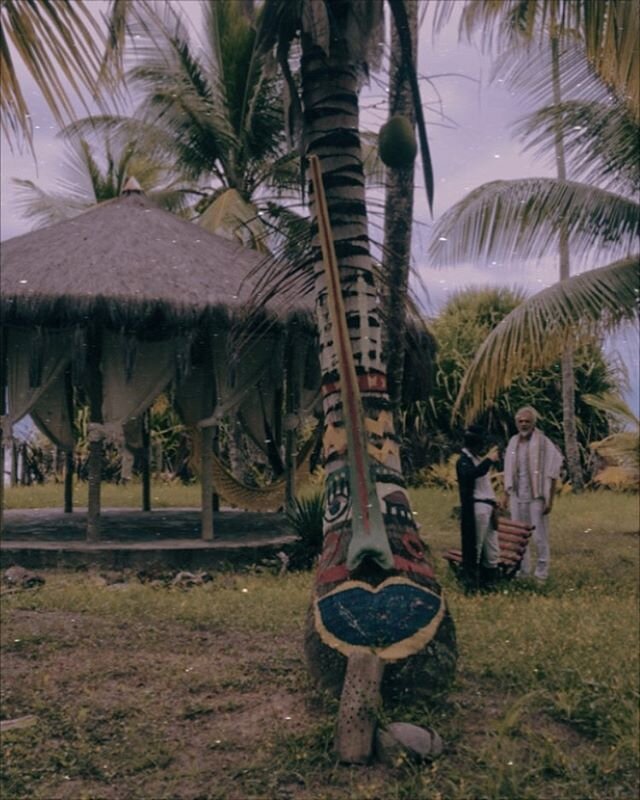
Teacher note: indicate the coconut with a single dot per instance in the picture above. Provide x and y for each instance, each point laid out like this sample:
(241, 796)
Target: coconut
(397, 143)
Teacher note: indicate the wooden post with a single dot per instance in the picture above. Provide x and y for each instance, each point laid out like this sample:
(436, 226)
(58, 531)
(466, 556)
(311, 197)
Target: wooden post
(3, 411)
(146, 461)
(13, 477)
(68, 481)
(94, 391)
(207, 482)
(215, 497)
(290, 422)
(1, 474)
(359, 704)
(24, 479)
(68, 454)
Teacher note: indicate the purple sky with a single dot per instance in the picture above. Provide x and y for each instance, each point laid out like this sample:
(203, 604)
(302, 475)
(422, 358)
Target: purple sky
(474, 148)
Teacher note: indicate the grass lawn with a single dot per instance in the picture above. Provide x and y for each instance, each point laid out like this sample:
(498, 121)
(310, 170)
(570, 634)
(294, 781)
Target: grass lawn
(147, 692)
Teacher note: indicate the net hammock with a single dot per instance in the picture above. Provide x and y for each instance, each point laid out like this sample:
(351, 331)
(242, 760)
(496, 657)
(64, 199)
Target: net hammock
(260, 498)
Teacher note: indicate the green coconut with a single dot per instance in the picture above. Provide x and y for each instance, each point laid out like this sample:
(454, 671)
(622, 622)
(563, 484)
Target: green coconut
(397, 143)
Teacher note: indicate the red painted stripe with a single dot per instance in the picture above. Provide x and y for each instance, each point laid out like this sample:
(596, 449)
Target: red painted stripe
(341, 573)
(411, 566)
(371, 382)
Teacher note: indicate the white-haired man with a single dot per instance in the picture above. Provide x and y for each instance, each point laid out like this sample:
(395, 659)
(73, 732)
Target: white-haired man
(532, 466)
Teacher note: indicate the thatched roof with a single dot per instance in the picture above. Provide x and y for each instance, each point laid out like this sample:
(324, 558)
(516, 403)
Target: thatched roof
(127, 263)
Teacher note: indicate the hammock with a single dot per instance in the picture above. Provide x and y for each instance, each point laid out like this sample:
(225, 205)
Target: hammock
(258, 498)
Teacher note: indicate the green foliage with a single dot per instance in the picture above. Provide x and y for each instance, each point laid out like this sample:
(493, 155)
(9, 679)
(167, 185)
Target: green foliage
(621, 450)
(462, 324)
(306, 520)
(169, 439)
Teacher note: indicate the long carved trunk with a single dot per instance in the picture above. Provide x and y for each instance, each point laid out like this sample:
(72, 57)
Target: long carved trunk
(572, 451)
(375, 590)
(398, 217)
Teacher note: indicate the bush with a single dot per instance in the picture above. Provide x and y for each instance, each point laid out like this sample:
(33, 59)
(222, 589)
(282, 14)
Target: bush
(306, 519)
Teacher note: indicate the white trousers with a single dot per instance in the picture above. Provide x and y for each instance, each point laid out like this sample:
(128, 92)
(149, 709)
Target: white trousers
(531, 511)
(487, 547)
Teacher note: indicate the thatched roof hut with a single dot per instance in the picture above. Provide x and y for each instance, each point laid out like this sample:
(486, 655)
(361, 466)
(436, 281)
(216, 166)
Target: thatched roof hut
(128, 269)
(125, 263)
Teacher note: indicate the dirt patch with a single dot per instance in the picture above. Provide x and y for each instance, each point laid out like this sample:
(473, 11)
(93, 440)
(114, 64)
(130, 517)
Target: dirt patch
(140, 710)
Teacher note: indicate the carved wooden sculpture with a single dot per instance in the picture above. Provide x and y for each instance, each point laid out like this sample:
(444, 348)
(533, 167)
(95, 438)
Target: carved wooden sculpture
(378, 614)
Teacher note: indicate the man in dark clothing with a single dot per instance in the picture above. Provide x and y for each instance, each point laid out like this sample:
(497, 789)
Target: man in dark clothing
(480, 549)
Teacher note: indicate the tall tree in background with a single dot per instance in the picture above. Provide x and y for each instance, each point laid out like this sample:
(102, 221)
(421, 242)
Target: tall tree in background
(398, 213)
(528, 217)
(220, 112)
(211, 108)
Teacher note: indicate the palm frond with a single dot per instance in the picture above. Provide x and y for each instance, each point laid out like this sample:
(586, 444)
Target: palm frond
(534, 334)
(178, 94)
(503, 219)
(612, 33)
(615, 406)
(527, 71)
(608, 30)
(230, 215)
(46, 208)
(60, 44)
(95, 173)
(601, 141)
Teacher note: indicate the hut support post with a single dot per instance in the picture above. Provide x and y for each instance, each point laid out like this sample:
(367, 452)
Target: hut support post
(1, 478)
(68, 454)
(215, 497)
(3, 411)
(290, 442)
(207, 482)
(94, 387)
(13, 476)
(95, 479)
(290, 423)
(68, 481)
(146, 462)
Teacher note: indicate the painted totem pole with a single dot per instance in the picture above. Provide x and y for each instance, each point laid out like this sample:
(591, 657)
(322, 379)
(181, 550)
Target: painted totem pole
(378, 619)
(375, 592)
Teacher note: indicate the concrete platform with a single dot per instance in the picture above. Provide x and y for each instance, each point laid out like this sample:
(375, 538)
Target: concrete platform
(46, 538)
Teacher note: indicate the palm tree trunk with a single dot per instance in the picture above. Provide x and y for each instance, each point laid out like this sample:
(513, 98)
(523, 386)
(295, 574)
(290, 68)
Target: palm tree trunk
(572, 451)
(370, 534)
(398, 217)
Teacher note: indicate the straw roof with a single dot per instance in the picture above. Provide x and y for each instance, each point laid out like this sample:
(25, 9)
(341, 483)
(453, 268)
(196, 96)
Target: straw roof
(124, 262)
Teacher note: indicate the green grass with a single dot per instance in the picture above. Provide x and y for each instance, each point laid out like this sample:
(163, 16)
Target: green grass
(50, 495)
(150, 692)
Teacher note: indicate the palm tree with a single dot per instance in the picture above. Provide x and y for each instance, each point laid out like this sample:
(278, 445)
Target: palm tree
(97, 174)
(398, 214)
(219, 114)
(510, 212)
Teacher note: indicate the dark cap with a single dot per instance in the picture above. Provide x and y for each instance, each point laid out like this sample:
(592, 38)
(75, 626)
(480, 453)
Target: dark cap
(474, 435)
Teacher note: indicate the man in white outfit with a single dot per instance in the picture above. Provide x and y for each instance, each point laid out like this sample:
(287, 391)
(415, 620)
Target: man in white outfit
(531, 470)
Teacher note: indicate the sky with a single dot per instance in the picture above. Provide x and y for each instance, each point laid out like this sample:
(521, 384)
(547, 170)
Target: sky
(472, 146)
